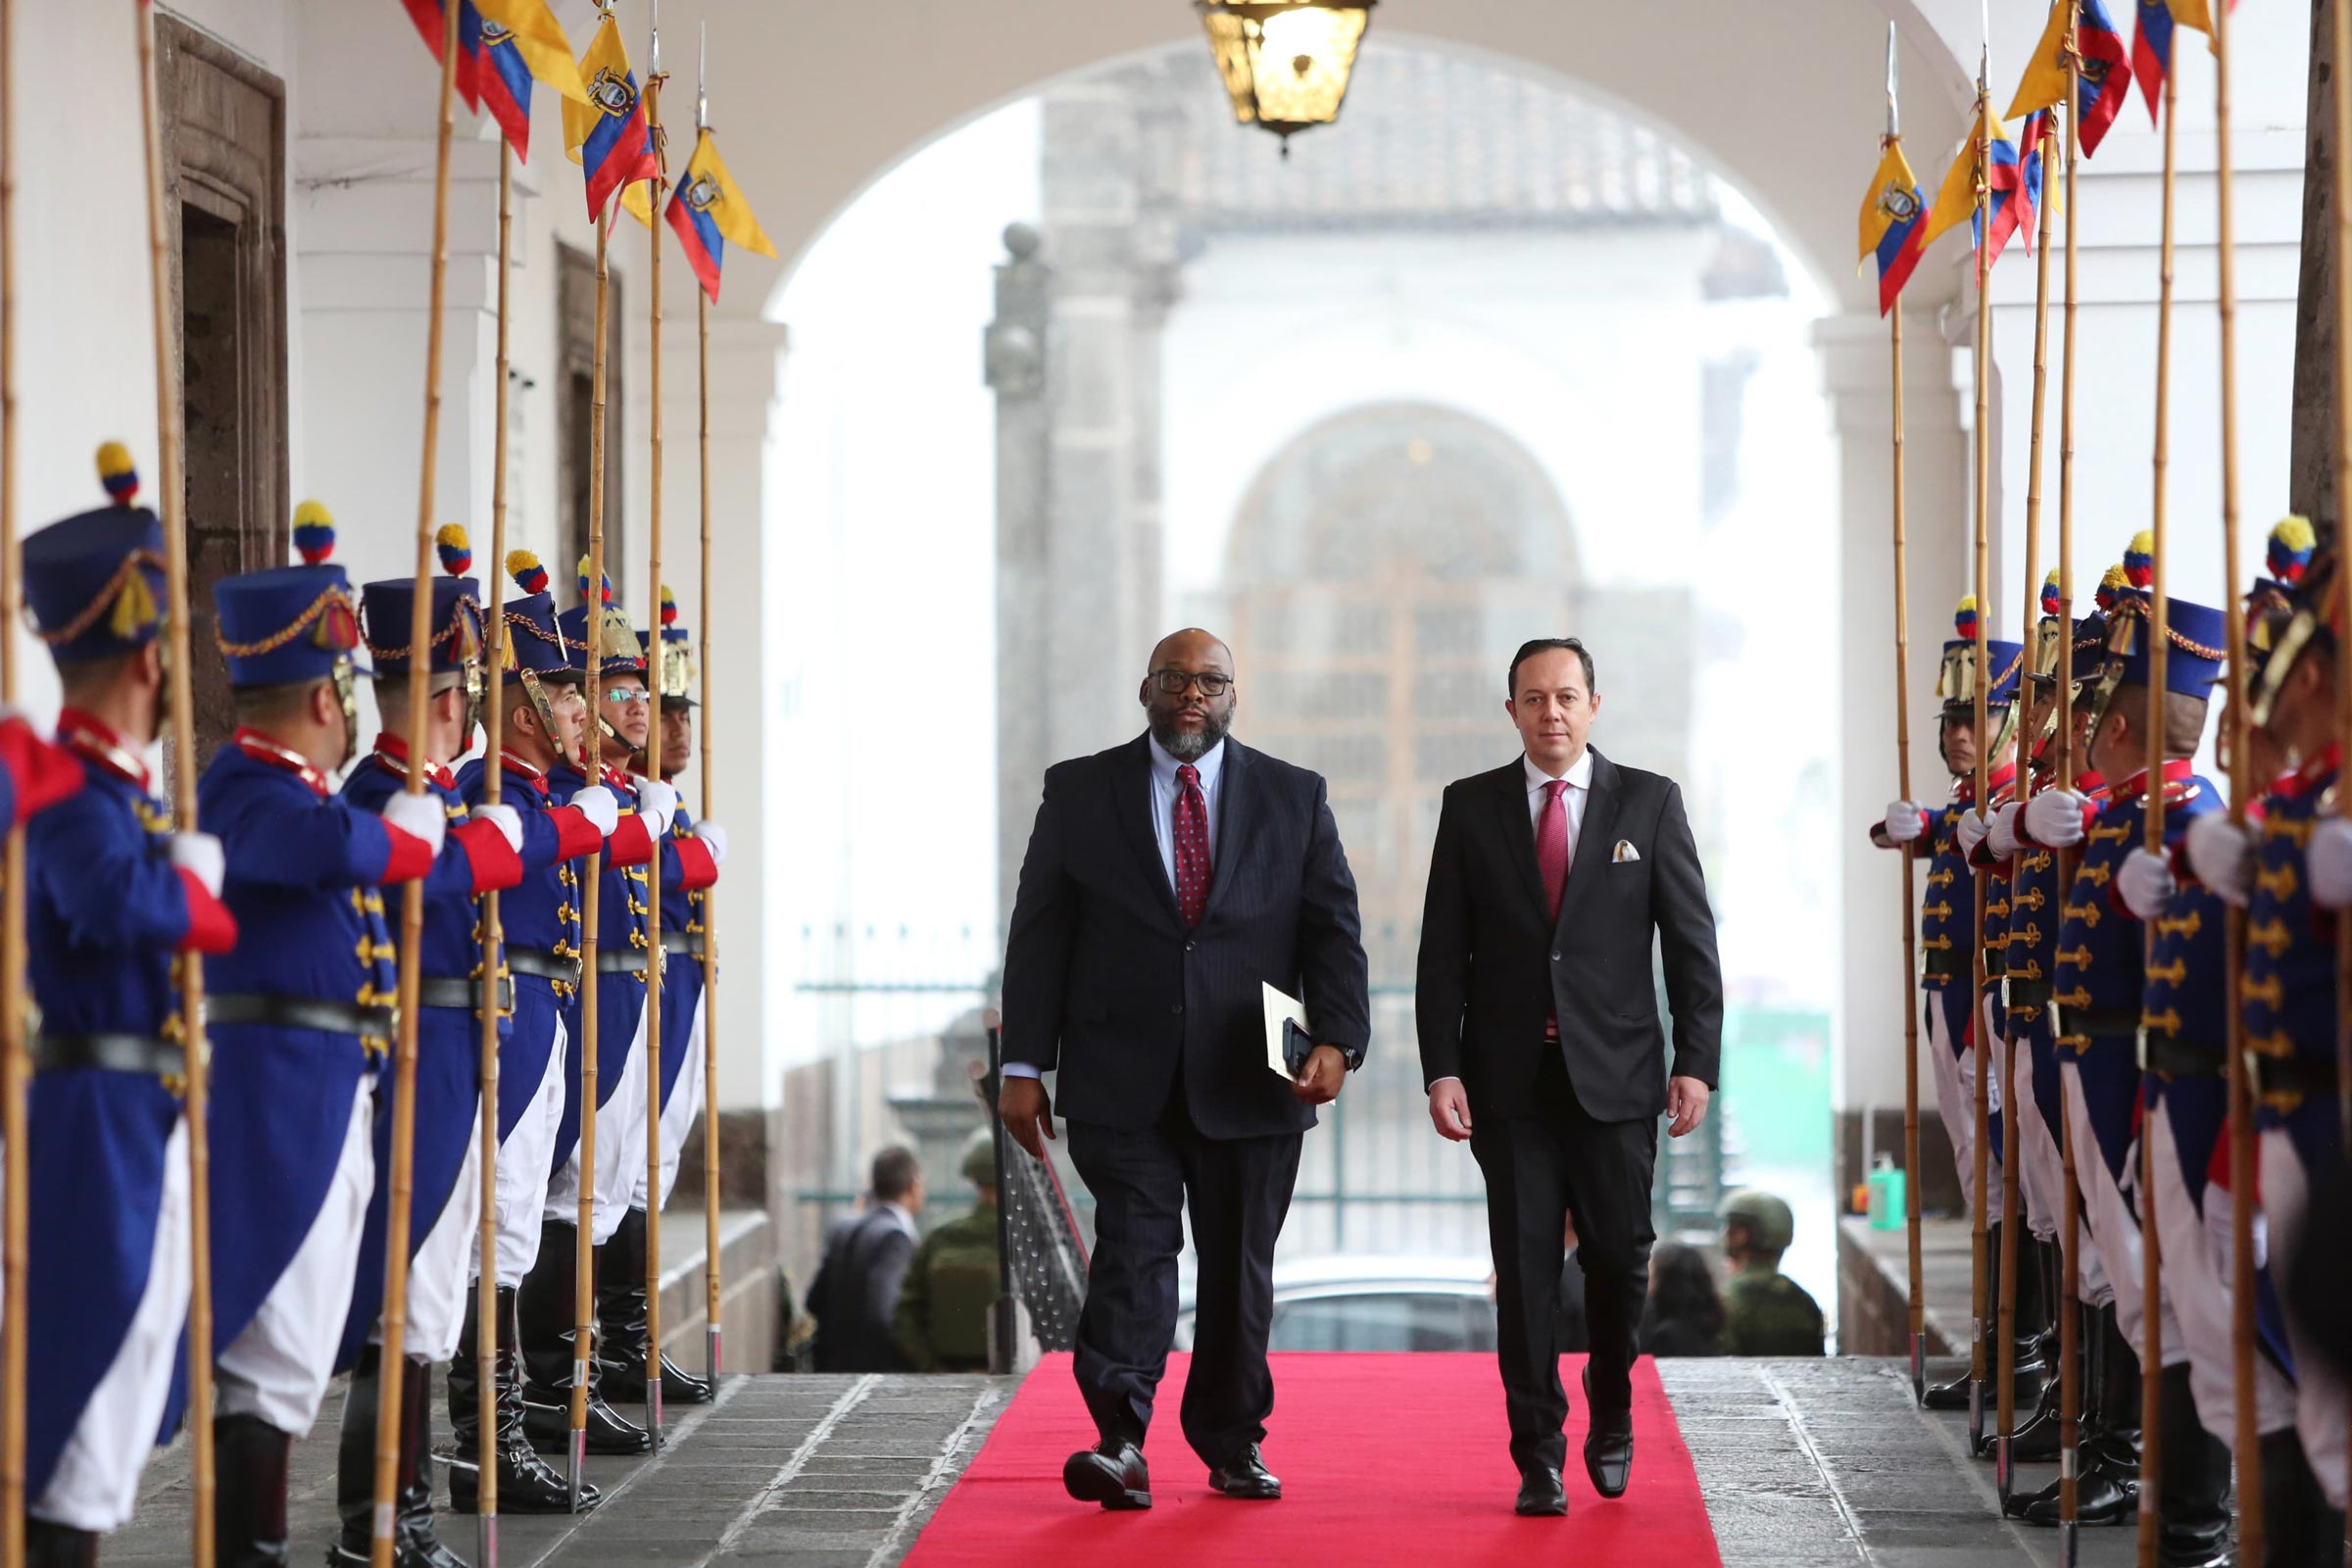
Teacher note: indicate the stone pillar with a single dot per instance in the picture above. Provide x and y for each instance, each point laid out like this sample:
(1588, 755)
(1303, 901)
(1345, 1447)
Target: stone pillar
(1016, 372)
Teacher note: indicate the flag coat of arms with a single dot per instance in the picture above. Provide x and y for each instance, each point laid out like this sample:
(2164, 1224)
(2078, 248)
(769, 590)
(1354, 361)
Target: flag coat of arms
(708, 213)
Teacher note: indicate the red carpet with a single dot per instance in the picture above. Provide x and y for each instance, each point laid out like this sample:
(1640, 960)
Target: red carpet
(1383, 1459)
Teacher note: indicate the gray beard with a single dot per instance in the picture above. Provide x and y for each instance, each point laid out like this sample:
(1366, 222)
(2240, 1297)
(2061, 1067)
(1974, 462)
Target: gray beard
(1190, 746)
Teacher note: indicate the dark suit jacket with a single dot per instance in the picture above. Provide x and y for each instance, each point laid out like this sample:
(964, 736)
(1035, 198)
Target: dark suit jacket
(1494, 965)
(1103, 981)
(856, 1293)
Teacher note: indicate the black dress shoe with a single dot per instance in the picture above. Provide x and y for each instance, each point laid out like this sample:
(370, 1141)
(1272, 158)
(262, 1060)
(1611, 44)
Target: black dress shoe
(2101, 1498)
(1541, 1495)
(1609, 1454)
(1245, 1476)
(1113, 1475)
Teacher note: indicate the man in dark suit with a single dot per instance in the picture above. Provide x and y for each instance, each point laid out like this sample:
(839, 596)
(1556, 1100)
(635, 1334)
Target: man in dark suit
(854, 1295)
(1541, 1044)
(1166, 882)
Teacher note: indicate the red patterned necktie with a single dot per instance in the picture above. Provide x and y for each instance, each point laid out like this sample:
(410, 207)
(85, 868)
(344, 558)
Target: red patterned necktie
(1191, 846)
(1551, 844)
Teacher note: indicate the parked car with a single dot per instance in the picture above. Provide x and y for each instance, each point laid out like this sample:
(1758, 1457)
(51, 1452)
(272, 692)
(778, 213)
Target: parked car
(1374, 1303)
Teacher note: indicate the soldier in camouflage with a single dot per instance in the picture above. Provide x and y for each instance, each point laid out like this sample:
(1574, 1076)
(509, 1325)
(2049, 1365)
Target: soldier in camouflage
(942, 1319)
(1765, 1312)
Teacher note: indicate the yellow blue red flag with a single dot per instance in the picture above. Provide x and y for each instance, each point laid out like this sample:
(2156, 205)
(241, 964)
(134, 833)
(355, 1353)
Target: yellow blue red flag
(708, 214)
(606, 136)
(522, 41)
(2106, 71)
(1893, 223)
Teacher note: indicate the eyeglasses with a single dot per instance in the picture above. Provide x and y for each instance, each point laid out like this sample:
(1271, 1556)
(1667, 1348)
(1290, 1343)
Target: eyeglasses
(1172, 683)
(627, 697)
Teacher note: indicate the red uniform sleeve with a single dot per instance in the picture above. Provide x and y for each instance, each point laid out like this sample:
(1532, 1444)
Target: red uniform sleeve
(44, 774)
(410, 857)
(576, 835)
(493, 861)
(212, 928)
(632, 844)
(697, 869)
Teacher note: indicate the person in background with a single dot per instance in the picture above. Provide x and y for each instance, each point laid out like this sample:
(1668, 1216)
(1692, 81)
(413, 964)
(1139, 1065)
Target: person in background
(942, 1320)
(1765, 1312)
(856, 1285)
(1684, 1316)
(1574, 1333)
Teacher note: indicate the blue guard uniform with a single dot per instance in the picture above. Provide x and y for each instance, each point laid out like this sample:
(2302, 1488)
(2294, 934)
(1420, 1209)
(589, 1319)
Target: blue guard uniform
(112, 896)
(300, 1015)
(540, 921)
(454, 984)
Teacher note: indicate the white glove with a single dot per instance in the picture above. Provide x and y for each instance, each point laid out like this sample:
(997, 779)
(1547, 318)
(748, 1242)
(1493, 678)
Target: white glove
(715, 838)
(1905, 821)
(422, 815)
(1971, 832)
(509, 820)
(2146, 883)
(2054, 818)
(601, 807)
(2329, 862)
(200, 852)
(656, 802)
(2221, 854)
(2003, 837)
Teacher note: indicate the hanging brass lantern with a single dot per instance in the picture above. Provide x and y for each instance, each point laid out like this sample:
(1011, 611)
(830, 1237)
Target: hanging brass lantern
(1286, 63)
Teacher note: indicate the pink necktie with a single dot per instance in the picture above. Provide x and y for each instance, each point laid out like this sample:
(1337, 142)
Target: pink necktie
(1193, 872)
(1551, 844)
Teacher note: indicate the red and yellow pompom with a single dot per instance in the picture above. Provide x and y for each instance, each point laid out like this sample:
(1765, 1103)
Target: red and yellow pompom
(582, 579)
(528, 574)
(670, 606)
(2140, 561)
(2113, 582)
(455, 549)
(2291, 543)
(313, 532)
(117, 473)
(1964, 619)
(2049, 593)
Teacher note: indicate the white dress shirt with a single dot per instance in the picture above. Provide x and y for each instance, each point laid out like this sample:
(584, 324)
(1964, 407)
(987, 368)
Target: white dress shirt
(1165, 787)
(901, 1217)
(1572, 800)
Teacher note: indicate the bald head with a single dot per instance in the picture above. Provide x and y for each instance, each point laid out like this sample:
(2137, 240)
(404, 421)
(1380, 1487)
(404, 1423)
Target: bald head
(1187, 693)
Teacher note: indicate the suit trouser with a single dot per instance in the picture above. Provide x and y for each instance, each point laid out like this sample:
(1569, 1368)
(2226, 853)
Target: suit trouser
(1539, 1170)
(1239, 1192)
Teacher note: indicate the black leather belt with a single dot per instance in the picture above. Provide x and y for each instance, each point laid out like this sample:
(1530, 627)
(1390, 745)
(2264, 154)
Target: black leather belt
(372, 1024)
(1935, 965)
(544, 965)
(2099, 1022)
(2026, 993)
(112, 1052)
(689, 943)
(452, 992)
(629, 962)
(2183, 1059)
(2294, 1075)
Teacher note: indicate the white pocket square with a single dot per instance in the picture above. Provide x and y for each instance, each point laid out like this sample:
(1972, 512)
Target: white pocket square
(1623, 852)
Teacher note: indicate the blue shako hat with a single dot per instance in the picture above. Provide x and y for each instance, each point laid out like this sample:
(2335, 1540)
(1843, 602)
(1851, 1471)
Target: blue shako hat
(287, 624)
(94, 582)
(1957, 681)
(387, 609)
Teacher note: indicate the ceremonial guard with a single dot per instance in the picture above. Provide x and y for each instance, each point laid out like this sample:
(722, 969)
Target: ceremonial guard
(2294, 877)
(691, 854)
(1948, 930)
(301, 1017)
(481, 852)
(112, 894)
(540, 919)
(547, 1300)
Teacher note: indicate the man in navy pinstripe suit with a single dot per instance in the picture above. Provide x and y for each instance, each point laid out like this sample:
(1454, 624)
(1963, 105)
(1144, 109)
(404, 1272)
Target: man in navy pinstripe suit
(1168, 880)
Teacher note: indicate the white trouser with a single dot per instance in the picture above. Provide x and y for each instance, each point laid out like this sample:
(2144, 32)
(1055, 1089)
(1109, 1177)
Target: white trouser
(523, 1175)
(2025, 1137)
(619, 1151)
(2115, 1228)
(279, 1366)
(2323, 1403)
(678, 1113)
(437, 1274)
(96, 1481)
(1956, 1103)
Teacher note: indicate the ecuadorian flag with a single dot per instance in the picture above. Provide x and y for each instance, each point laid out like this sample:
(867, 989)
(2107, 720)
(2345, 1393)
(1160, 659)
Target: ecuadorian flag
(708, 214)
(2106, 71)
(607, 134)
(432, 22)
(1893, 223)
(522, 41)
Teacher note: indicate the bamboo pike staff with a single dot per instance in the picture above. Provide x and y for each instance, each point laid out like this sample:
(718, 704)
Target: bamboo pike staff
(2247, 1433)
(2003, 1472)
(711, 1266)
(411, 903)
(1978, 1253)
(171, 504)
(1902, 758)
(584, 1339)
(656, 959)
(2342, 193)
(2069, 1318)
(16, 1085)
(494, 936)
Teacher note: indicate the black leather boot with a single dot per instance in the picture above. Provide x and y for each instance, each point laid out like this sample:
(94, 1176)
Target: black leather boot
(48, 1545)
(355, 1466)
(2299, 1529)
(2107, 1489)
(621, 1341)
(548, 1329)
(526, 1484)
(464, 1385)
(2192, 1509)
(249, 1511)
(415, 1545)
